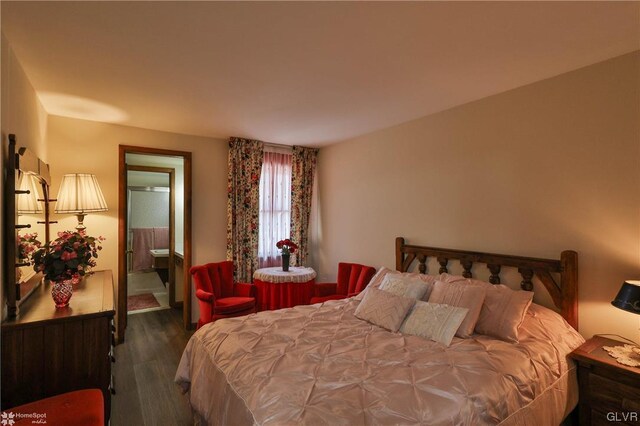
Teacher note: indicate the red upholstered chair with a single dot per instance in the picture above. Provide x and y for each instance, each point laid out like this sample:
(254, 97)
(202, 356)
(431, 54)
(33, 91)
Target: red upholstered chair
(78, 408)
(218, 296)
(352, 279)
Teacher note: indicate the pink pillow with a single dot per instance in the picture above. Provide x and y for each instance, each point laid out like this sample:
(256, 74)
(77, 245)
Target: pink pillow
(502, 312)
(448, 278)
(461, 295)
(375, 282)
(384, 309)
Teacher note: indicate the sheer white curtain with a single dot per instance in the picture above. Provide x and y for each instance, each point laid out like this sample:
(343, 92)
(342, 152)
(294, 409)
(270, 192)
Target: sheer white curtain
(275, 205)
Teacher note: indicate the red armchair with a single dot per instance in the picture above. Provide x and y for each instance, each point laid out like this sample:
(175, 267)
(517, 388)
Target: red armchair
(78, 408)
(352, 279)
(218, 296)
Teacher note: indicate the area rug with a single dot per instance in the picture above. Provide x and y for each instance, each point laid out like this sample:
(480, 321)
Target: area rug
(141, 301)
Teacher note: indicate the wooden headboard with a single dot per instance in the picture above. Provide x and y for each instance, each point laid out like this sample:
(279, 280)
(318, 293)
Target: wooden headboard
(564, 295)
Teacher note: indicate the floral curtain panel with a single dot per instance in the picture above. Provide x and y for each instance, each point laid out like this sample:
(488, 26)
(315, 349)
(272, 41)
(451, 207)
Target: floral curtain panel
(243, 186)
(303, 168)
(275, 206)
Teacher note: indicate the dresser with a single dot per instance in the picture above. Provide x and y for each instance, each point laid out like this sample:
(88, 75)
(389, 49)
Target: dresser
(48, 351)
(609, 391)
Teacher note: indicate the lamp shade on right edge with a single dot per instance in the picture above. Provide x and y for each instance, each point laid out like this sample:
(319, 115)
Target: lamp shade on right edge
(628, 298)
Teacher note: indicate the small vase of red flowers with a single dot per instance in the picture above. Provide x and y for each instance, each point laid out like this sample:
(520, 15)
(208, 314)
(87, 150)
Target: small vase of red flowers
(287, 246)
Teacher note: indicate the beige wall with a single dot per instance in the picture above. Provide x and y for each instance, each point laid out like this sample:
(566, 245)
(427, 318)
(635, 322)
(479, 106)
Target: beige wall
(21, 114)
(92, 147)
(546, 167)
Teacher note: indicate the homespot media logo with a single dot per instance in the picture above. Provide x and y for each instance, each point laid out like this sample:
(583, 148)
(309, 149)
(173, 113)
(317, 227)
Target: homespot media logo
(7, 418)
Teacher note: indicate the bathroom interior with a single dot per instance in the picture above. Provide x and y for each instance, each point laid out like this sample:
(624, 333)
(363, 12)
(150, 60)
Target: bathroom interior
(153, 238)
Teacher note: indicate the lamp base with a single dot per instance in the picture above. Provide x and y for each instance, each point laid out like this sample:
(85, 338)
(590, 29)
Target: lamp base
(80, 227)
(626, 355)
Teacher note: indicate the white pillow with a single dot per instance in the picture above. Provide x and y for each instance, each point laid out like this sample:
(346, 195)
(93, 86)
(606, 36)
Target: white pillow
(383, 271)
(434, 321)
(401, 285)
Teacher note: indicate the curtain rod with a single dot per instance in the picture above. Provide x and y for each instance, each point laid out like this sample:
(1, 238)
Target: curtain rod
(278, 145)
(282, 149)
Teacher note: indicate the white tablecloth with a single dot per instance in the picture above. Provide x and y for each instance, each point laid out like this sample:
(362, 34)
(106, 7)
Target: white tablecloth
(295, 274)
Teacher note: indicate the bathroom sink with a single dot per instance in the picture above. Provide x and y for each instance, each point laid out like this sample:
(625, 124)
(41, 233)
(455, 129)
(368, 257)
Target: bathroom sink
(160, 252)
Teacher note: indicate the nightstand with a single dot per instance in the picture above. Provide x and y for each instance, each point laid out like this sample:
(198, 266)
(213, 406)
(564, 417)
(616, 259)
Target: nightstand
(609, 392)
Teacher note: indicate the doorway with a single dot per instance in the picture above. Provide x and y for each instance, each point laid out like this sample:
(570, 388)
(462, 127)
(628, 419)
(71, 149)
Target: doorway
(154, 233)
(150, 237)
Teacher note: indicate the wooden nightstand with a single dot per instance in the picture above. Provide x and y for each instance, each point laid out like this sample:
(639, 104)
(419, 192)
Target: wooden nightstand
(609, 392)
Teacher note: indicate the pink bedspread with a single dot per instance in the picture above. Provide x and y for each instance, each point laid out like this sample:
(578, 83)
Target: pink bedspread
(319, 364)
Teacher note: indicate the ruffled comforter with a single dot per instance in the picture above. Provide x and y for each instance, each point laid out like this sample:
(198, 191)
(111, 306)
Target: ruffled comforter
(319, 364)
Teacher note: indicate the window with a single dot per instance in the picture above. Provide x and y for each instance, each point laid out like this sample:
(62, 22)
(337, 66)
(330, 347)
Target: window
(275, 205)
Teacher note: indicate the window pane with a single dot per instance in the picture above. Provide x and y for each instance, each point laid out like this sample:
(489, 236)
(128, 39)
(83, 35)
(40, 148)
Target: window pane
(275, 206)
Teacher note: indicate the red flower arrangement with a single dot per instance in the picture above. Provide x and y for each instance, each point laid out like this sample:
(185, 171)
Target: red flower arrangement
(68, 257)
(287, 246)
(26, 245)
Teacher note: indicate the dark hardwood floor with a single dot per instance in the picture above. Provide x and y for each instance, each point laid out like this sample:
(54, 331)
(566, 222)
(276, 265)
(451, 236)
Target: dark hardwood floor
(144, 370)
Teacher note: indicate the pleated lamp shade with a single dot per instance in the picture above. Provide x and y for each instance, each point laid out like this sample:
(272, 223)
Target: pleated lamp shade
(27, 202)
(80, 194)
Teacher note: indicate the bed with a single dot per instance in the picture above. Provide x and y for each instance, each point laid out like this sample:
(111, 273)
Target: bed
(320, 364)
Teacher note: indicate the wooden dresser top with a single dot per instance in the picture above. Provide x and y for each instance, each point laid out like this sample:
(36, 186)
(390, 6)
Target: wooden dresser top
(93, 296)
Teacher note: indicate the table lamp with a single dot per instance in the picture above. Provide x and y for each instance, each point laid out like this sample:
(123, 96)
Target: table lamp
(28, 194)
(80, 194)
(628, 299)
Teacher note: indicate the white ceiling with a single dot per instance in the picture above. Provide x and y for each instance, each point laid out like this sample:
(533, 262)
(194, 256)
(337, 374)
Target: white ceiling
(307, 73)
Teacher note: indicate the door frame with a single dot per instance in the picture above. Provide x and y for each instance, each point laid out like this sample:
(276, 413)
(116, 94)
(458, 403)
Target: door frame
(172, 214)
(121, 312)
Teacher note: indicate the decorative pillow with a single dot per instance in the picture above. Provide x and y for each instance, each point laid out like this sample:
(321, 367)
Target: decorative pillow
(384, 309)
(375, 282)
(503, 311)
(433, 321)
(462, 296)
(448, 278)
(383, 271)
(545, 320)
(402, 285)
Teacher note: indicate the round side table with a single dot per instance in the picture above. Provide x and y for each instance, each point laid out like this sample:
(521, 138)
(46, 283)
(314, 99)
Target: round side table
(277, 289)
